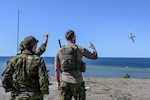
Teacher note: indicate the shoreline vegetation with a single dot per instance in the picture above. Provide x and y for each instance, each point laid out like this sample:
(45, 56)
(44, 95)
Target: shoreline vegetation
(102, 89)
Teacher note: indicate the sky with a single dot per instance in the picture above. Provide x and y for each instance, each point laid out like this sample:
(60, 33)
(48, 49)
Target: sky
(106, 23)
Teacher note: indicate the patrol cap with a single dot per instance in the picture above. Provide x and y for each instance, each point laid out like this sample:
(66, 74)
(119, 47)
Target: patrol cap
(30, 41)
(70, 34)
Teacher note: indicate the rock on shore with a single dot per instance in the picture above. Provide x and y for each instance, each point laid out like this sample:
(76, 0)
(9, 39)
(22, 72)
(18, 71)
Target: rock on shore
(103, 89)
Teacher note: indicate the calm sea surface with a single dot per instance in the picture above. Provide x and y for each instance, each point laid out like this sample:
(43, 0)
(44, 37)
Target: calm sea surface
(103, 67)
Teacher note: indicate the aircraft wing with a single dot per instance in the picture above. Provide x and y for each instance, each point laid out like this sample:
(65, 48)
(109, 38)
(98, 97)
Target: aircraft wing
(132, 40)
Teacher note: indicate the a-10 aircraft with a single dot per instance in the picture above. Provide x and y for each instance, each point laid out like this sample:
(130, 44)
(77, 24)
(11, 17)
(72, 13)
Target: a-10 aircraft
(132, 37)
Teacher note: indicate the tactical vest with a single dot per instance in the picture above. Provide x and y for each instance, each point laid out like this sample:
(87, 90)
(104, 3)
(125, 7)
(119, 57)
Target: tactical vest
(69, 60)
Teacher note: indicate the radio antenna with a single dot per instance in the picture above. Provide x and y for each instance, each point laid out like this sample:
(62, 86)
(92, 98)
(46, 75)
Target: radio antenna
(18, 31)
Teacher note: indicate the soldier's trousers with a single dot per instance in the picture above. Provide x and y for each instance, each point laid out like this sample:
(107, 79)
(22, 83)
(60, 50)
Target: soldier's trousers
(69, 90)
(29, 96)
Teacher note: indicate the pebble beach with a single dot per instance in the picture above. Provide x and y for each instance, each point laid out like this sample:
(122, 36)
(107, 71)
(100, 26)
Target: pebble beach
(103, 89)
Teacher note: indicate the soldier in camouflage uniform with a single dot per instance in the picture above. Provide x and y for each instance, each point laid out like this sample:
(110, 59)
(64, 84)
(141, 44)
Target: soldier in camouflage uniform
(69, 62)
(41, 49)
(39, 52)
(26, 73)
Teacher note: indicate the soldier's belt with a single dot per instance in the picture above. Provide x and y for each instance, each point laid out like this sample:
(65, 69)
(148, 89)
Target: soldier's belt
(28, 90)
(81, 83)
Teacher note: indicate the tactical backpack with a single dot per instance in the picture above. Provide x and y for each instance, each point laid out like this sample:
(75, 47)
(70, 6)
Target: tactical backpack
(69, 60)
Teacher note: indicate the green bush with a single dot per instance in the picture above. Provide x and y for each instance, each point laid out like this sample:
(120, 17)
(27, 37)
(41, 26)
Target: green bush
(127, 75)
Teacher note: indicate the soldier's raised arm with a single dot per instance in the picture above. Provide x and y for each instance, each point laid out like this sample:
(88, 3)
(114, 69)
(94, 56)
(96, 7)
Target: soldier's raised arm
(42, 48)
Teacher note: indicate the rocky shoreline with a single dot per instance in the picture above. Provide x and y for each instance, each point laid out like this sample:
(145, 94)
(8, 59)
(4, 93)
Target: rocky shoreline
(103, 89)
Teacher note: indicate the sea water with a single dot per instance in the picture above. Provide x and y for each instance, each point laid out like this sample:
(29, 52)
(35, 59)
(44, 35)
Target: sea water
(103, 67)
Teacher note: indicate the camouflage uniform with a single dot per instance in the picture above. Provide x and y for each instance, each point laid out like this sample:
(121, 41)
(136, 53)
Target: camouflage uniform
(72, 83)
(26, 75)
(39, 52)
(69, 89)
(41, 49)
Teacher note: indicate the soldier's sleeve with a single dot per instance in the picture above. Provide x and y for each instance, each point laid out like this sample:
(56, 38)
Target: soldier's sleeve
(8, 62)
(43, 78)
(41, 49)
(7, 76)
(88, 54)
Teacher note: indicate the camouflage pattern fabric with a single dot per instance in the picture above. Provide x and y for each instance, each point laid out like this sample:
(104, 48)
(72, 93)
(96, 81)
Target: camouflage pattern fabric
(29, 96)
(41, 49)
(34, 76)
(30, 41)
(69, 90)
(39, 52)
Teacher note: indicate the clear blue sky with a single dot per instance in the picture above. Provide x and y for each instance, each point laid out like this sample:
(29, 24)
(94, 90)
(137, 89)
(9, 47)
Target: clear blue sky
(106, 23)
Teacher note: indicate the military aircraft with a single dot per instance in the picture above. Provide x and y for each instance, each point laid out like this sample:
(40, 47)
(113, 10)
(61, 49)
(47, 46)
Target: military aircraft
(131, 37)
